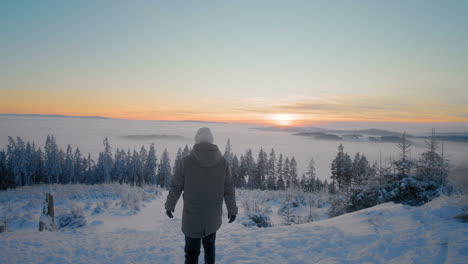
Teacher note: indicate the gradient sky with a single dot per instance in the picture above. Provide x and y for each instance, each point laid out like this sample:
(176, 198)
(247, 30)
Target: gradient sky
(242, 61)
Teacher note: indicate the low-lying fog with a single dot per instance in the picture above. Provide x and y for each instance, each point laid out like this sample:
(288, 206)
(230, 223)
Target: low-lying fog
(88, 134)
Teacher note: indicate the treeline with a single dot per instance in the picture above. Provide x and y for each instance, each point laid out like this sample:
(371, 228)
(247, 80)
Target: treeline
(269, 172)
(23, 163)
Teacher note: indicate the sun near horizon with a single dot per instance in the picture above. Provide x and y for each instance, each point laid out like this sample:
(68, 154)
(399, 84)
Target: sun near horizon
(277, 63)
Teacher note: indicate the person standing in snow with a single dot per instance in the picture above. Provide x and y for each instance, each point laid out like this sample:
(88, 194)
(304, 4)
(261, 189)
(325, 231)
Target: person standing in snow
(205, 179)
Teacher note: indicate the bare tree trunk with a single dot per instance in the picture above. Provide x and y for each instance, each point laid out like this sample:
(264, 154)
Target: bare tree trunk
(47, 220)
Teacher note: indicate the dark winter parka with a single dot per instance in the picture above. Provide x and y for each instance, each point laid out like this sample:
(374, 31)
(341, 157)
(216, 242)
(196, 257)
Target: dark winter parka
(205, 179)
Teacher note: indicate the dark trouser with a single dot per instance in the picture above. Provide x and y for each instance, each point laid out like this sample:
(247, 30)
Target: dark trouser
(192, 249)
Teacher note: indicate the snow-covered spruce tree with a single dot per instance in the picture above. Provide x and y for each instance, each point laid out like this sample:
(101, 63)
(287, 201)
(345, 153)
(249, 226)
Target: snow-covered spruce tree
(36, 164)
(293, 173)
(403, 166)
(62, 165)
(4, 181)
(68, 170)
(286, 173)
(135, 175)
(302, 182)
(151, 166)
(186, 151)
(177, 162)
(361, 171)
(16, 153)
(52, 165)
(28, 170)
(164, 172)
(241, 179)
(22, 162)
(280, 184)
(78, 166)
(249, 168)
(228, 152)
(104, 163)
(341, 169)
(235, 172)
(310, 175)
(271, 171)
(260, 170)
(89, 170)
(120, 166)
(431, 166)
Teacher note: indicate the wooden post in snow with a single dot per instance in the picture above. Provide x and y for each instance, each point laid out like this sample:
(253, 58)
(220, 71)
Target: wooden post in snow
(47, 220)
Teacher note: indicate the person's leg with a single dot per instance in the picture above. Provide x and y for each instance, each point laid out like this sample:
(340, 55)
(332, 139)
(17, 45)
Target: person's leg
(209, 247)
(192, 250)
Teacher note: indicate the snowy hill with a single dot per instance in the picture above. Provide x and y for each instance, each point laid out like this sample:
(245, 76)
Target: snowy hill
(142, 233)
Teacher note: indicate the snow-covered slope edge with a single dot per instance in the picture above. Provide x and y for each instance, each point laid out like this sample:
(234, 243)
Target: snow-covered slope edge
(387, 233)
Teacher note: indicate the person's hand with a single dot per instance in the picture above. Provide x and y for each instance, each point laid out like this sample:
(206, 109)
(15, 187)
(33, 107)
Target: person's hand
(169, 213)
(231, 218)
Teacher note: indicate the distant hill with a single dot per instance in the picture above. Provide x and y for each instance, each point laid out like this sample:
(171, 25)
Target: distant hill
(357, 132)
(319, 135)
(152, 137)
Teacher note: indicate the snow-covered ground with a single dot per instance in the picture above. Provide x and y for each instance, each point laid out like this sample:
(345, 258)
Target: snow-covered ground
(130, 226)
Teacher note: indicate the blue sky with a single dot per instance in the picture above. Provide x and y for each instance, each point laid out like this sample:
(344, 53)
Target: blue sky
(237, 60)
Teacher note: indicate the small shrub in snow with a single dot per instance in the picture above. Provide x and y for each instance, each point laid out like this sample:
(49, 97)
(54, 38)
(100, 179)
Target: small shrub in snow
(257, 213)
(75, 218)
(257, 219)
(288, 211)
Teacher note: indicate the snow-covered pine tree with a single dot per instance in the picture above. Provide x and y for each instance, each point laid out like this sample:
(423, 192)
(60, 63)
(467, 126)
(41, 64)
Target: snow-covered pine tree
(62, 165)
(120, 166)
(78, 167)
(341, 169)
(3, 170)
(235, 172)
(309, 183)
(293, 173)
(360, 170)
(151, 165)
(22, 163)
(107, 165)
(68, 170)
(403, 166)
(249, 168)
(129, 171)
(177, 162)
(271, 171)
(38, 175)
(228, 152)
(260, 170)
(302, 182)
(90, 170)
(52, 165)
(287, 173)
(186, 151)
(29, 160)
(164, 172)
(134, 169)
(431, 166)
(280, 184)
